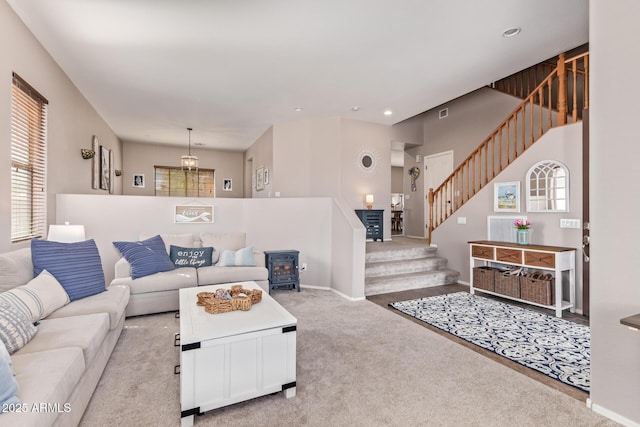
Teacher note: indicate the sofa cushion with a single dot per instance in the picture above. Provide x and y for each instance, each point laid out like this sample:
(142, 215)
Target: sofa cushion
(16, 269)
(240, 258)
(16, 329)
(85, 332)
(184, 240)
(230, 240)
(191, 257)
(8, 383)
(146, 256)
(184, 277)
(77, 265)
(113, 302)
(215, 275)
(45, 377)
(38, 298)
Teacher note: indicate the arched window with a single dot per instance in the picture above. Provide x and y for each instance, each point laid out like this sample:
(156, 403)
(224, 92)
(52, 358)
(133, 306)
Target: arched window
(548, 187)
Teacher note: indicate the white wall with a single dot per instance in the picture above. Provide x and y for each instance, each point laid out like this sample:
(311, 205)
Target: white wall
(304, 224)
(562, 144)
(614, 207)
(72, 121)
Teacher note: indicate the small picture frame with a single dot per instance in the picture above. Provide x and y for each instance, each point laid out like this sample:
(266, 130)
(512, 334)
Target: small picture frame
(506, 196)
(266, 176)
(260, 178)
(138, 180)
(227, 184)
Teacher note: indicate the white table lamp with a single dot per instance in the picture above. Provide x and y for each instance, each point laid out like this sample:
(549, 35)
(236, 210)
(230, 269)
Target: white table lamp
(66, 233)
(369, 201)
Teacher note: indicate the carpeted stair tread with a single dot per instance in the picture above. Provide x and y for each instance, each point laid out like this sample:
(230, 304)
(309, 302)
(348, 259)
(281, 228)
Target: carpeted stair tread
(405, 281)
(393, 254)
(386, 268)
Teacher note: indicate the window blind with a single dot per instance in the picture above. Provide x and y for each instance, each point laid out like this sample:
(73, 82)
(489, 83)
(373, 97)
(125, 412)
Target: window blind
(175, 182)
(28, 161)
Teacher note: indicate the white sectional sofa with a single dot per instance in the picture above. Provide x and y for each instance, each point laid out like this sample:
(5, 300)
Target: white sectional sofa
(158, 292)
(59, 368)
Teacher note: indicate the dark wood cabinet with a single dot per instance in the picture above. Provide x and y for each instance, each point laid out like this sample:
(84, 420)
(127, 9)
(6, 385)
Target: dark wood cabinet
(373, 220)
(283, 269)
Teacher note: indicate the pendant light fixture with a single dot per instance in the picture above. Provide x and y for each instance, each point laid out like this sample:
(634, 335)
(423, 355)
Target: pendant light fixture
(189, 162)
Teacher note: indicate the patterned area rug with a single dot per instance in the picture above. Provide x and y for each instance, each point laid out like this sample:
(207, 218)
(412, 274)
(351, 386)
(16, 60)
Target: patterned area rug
(556, 347)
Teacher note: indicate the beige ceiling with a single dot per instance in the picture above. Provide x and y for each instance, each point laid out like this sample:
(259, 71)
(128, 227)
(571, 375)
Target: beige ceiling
(231, 68)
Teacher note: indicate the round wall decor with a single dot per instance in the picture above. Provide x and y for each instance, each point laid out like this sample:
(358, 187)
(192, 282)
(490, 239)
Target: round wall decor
(367, 161)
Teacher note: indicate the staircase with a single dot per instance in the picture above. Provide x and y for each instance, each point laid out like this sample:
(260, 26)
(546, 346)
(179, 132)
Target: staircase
(557, 100)
(403, 264)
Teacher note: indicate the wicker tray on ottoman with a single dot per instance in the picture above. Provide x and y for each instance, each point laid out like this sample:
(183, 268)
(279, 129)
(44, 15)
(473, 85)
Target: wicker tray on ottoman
(538, 288)
(507, 284)
(483, 278)
(241, 299)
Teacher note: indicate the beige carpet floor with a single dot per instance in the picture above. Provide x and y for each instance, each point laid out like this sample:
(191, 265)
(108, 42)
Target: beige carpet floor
(358, 365)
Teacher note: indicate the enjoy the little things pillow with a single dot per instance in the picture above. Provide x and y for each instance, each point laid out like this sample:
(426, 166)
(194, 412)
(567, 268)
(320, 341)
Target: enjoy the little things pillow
(191, 257)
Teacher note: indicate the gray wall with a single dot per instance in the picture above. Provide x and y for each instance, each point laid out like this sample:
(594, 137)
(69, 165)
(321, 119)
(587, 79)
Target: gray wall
(72, 121)
(562, 144)
(141, 158)
(319, 158)
(471, 119)
(614, 207)
(260, 154)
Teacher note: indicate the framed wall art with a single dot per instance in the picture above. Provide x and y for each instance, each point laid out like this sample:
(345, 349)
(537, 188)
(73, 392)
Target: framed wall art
(506, 196)
(105, 168)
(138, 180)
(260, 178)
(95, 163)
(193, 214)
(227, 185)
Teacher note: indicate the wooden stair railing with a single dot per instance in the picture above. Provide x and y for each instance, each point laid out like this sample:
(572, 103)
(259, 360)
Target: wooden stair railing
(544, 108)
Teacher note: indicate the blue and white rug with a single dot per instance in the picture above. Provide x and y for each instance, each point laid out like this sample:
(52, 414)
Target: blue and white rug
(556, 347)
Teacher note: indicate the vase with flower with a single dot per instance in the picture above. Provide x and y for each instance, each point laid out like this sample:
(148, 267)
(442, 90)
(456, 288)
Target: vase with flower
(522, 236)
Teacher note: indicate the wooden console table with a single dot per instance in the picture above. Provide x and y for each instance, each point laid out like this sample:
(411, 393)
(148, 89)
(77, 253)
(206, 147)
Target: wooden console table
(631, 321)
(535, 257)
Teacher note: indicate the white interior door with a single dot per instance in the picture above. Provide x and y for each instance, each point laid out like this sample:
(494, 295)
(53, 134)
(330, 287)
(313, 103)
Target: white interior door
(437, 168)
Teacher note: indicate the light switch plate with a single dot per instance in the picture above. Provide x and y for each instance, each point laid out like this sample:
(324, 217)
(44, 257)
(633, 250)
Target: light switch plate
(569, 223)
(462, 220)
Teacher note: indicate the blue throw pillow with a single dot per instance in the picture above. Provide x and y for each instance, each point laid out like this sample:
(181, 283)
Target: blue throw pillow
(8, 383)
(77, 266)
(146, 257)
(190, 257)
(240, 258)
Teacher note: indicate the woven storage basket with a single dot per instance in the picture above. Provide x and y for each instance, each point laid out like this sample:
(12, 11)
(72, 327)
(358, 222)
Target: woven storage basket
(537, 290)
(507, 284)
(213, 305)
(483, 278)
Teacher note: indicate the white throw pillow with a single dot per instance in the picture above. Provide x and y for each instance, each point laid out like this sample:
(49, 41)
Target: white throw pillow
(39, 298)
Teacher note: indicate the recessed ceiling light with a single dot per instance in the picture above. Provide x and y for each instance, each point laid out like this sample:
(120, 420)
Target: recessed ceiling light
(297, 109)
(510, 32)
(355, 108)
(388, 112)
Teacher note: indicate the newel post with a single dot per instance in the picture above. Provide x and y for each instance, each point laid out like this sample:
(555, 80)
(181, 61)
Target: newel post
(562, 91)
(430, 198)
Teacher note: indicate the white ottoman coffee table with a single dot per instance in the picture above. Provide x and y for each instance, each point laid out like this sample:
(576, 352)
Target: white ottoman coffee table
(231, 357)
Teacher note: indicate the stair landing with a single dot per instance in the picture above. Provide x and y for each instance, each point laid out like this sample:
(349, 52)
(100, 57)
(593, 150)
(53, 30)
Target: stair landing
(404, 263)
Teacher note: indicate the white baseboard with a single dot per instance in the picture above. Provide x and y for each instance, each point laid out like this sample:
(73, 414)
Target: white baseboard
(326, 288)
(347, 297)
(461, 282)
(611, 415)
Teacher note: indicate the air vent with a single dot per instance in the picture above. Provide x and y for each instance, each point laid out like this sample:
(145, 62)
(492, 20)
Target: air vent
(443, 113)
